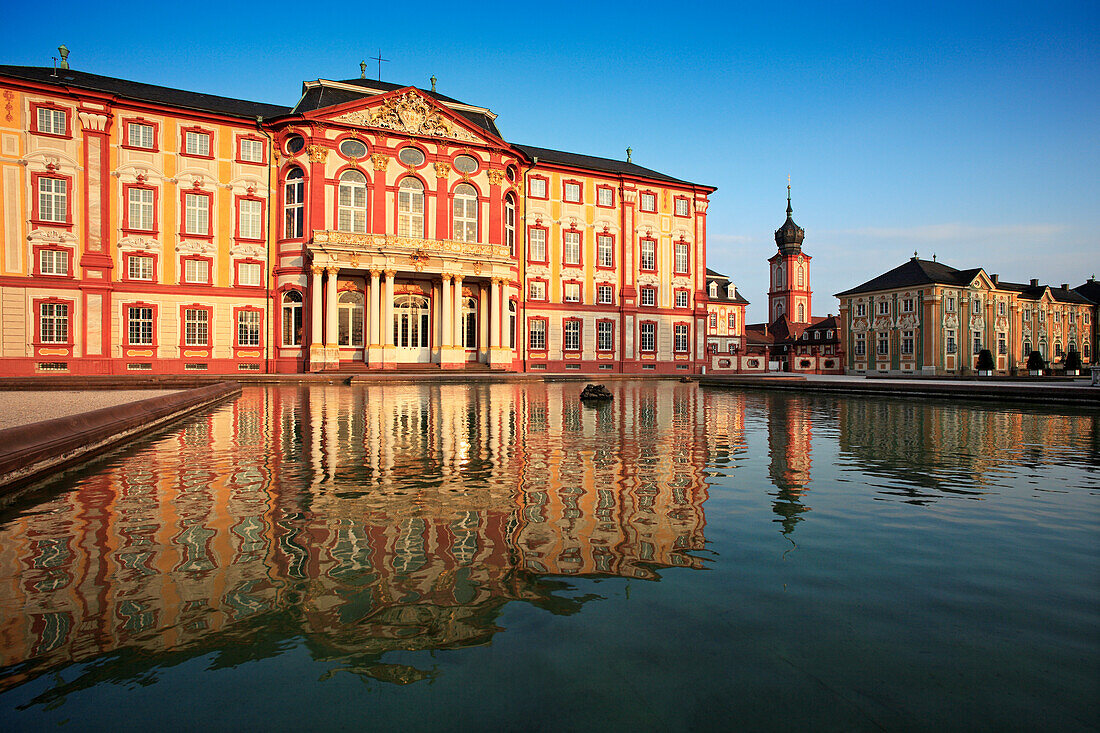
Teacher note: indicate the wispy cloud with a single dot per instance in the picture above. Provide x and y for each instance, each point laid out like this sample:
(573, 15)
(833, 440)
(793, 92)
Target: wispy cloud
(960, 232)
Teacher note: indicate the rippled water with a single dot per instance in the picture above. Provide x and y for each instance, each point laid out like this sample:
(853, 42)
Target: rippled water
(502, 557)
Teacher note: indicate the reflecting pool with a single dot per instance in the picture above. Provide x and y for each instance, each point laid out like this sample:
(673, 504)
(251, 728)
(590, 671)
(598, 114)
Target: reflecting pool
(504, 557)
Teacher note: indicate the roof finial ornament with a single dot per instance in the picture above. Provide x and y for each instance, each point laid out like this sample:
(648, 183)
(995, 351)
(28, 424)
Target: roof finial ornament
(933, 256)
(379, 59)
(789, 209)
(64, 51)
(433, 80)
(362, 69)
(628, 152)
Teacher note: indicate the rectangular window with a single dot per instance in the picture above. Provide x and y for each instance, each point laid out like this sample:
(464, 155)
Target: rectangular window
(605, 196)
(1042, 316)
(1002, 344)
(680, 338)
(196, 271)
(537, 188)
(537, 239)
(196, 214)
(196, 327)
(52, 121)
(140, 208)
(53, 323)
(647, 336)
(196, 143)
(683, 207)
(649, 255)
(251, 219)
(139, 267)
(977, 338)
(53, 262)
(907, 305)
(605, 336)
(975, 305)
(605, 249)
(572, 292)
(861, 310)
(572, 248)
(861, 344)
(1001, 308)
(249, 273)
(536, 338)
(949, 340)
(907, 343)
(139, 135)
(732, 323)
(1027, 314)
(53, 199)
(536, 290)
(682, 299)
(883, 343)
(605, 294)
(950, 304)
(252, 151)
(140, 324)
(248, 328)
(884, 307)
(648, 202)
(683, 259)
(571, 336)
(649, 296)
(573, 193)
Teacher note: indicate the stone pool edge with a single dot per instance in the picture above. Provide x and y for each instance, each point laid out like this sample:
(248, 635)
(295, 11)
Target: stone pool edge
(28, 452)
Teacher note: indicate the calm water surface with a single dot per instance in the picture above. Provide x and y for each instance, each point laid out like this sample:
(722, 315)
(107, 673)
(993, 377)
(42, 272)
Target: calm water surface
(502, 557)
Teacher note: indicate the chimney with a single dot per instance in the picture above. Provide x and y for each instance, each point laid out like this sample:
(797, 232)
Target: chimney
(1034, 282)
(995, 278)
(1065, 286)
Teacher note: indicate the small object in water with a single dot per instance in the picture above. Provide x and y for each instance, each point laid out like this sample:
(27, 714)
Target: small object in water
(595, 392)
(685, 379)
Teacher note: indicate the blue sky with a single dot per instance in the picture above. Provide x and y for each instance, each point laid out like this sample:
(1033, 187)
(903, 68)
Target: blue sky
(968, 130)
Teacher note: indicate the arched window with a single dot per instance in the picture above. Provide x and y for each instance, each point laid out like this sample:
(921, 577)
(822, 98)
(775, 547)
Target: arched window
(1027, 349)
(352, 211)
(410, 208)
(350, 306)
(778, 309)
(294, 204)
(469, 323)
(512, 324)
(1043, 348)
(801, 276)
(778, 276)
(801, 312)
(510, 223)
(464, 206)
(1086, 351)
(292, 318)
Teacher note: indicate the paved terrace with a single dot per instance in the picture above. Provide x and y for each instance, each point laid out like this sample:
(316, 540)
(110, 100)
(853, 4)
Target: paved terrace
(24, 408)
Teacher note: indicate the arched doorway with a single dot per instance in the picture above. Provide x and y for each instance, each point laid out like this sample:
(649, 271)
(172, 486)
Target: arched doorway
(410, 328)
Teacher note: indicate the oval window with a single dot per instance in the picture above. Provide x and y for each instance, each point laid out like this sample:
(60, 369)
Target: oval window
(295, 143)
(465, 164)
(411, 156)
(510, 171)
(353, 149)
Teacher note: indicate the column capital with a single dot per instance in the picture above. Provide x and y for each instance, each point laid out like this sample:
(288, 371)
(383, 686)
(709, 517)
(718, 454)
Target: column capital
(446, 276)
(375, 273)
(380, 160)
(442, 170)
(390, 274)
(316, 269)
(332, 270)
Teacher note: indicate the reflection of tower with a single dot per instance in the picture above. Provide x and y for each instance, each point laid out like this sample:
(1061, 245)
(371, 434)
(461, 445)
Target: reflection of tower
(789, 437)
(789, 292)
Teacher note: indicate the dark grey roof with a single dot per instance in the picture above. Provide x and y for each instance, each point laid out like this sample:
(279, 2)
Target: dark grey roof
(1090, 290)
(723, 284)
(144, 92)
(915, 272)
(319, 97)
(591, 162)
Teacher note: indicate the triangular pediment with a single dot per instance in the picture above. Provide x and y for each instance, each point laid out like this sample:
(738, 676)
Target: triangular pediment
(982, 281)
(406, 112)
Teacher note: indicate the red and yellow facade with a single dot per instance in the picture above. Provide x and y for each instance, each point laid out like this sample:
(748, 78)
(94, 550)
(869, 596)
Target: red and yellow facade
(147, 229)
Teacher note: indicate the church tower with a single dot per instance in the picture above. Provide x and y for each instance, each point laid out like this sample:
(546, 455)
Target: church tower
(789, 292)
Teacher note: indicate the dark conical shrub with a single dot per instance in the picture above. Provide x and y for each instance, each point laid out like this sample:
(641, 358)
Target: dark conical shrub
(1035, 362)
(1073, 361)
(985, 360)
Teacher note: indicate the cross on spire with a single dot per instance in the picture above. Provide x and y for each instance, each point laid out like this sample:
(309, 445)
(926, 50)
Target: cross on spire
(379, 59)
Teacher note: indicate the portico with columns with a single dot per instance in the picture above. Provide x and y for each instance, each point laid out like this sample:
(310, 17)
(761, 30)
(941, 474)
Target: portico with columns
(422, 302)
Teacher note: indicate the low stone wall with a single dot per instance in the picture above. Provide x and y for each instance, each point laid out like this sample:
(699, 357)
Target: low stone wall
(30, 451)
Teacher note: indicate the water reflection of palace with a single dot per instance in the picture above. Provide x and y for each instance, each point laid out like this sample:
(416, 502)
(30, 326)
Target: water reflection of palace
(364, 521)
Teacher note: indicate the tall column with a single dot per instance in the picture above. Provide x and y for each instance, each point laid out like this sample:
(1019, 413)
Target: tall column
(389, 360)
(495, 305)
(375, 297)
(447, 339)
(332, 341)
(483, 308)
(456, 339)
(316, 347)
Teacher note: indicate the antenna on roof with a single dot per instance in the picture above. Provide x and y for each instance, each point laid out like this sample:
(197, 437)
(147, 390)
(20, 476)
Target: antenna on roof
(64, 51)
(379, 59)
(54, 66)
(433, 80)
(628, 152)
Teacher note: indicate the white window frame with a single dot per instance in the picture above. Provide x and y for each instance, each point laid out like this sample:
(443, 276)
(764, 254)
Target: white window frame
(56, 121)
(536, 334)
(196, 327)
(605, 294)
(571, 292)
(683, 257)
(294, 204)
(464, 213)
(139, 321)
(251, 224)
(410, 207)
(647, 336)
(140, 135)
(139, 267)
(571, 335)
(53, 199)
(647, 202)
(248, 327)
(537, 244)
(571, 192)
(536, 290)
(605, 196)
(196, 272)
(141, 214)
(680, 340)
(605, 249)
(252, 151)
(536, 187)
(683, 207)
(648, 296)
(197, 143)
(351, 202)
(605, 336)
(647, 259)
(53, 262)
(571, 244)
(53, 323)
(682, 299)
(196, 214)
(250, 274)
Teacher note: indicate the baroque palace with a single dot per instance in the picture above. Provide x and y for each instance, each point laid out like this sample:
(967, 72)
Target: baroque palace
(927, 317)
(370, 225)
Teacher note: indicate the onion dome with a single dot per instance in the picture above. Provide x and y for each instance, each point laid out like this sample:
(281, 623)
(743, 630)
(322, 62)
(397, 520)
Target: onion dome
(789, 236)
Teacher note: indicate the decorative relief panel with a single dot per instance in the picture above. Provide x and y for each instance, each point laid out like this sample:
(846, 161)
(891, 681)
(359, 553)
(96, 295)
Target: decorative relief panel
(409, 113)
(386, 241)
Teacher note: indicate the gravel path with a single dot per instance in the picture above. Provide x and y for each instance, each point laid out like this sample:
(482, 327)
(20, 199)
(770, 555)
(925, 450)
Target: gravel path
(21, 408)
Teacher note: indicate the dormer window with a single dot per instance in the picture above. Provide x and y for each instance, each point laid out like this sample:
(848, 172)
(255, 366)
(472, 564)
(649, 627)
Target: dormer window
(731, 292)
(713, 289)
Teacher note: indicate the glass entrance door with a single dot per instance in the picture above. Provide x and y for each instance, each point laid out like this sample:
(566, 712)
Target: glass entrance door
(410, 328)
